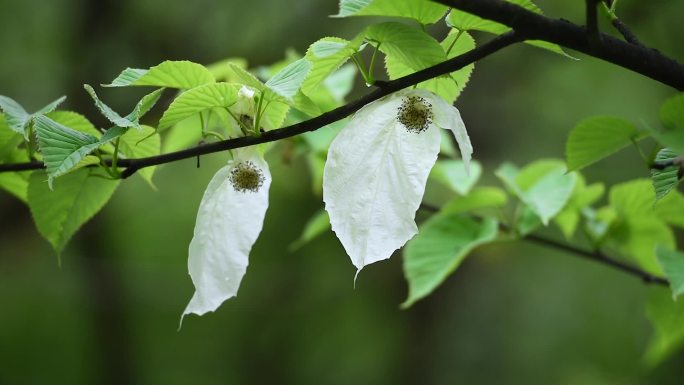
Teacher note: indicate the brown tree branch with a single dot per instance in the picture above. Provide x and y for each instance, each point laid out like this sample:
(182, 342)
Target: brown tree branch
(383, 89)
(646, 61)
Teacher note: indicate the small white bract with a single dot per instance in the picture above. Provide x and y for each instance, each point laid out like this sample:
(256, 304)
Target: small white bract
(378, 166)
(229, 220)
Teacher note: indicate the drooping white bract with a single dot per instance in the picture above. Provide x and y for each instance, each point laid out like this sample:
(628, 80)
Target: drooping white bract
(377, 167)
(229, 220)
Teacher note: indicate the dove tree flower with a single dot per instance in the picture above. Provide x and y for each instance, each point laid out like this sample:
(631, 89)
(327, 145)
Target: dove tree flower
(229, 220)
(377, 168)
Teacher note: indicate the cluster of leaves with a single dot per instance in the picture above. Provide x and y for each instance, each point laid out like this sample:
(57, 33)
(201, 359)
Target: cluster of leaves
(636, 221)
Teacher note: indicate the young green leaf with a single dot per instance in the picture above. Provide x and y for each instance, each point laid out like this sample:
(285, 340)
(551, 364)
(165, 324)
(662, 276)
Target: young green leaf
(327, 55)
(198, 100)
(479, 198)
(672, 263)
(451, 173)
(449, 86)
(74, 121)
(672, 118)
(76, 198)
(16, 183)
(318, 224)
(596, 138)
(582, 196)
(544, 186)
(9, 139)
(16, 116)
(666, 179)
(667, 318)
(141, 144)
(133, 118)
(171, 74)
(440, 247)
(410, 46)
(425, 12)
(287, 82)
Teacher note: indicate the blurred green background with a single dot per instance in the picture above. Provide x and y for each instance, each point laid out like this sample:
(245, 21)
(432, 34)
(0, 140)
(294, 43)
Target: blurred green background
(512, 314)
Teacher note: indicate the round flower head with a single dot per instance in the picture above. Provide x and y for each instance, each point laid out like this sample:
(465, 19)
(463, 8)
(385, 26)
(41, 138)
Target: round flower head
(246, 176)
(415, 113)
(377, 168)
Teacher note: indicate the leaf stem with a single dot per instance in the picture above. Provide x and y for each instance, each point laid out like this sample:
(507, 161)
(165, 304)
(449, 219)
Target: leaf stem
(451, 46)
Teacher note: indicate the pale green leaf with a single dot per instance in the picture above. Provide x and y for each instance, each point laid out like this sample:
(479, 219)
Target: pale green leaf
(76, 198)
(449, 87)
(672, 118)
(439, 248)
(582, 196)
(410, 46)
(670, 209)
(596, 138)
(16, 183)
(666, 179)
(452, 174)
(16, 116)
(198, 100)
(672, 263)
(479, 198)
(423, 11)
(667, 318)
(141, 144)
(287, 82)
(327, 55)
(318, 224)
(171, 74)
(9, 139)
(75, 121)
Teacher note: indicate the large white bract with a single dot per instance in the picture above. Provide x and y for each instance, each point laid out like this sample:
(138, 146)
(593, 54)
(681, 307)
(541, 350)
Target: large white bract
(377, 167)
(229, 221)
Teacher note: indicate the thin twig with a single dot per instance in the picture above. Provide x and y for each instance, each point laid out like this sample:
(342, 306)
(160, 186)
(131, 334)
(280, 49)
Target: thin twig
(454, 64)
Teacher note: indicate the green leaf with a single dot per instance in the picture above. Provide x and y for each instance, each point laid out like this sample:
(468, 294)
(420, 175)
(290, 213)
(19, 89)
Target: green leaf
(638, 227)
(425, 12)
(449, 87)
(63, 148)
(318, 224)
(479, 198)
(582, 196)
(16, 183)
(672, 263)
(133, 118)
(667, 318)
(9, 139)
(670, 209)
(409, 46)
(16, 116)
(666, 179)
(464, 21)
(287, 82)
(171, 74)
(543, 185)
(141, 144)
(596, 138)
(672, 113)
(451, 173)
(75, 121)
(672, 118)
(198, 100)
(439, 248)
(327, 55)
(76, 198)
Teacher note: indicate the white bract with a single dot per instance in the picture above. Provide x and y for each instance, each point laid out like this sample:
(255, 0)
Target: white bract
(377, 167)
(229, 220)
(244, 109)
